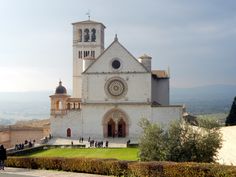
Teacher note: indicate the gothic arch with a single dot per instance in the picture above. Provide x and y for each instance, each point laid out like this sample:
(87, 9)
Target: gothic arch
(68, 132)
(120, 128)
(58, 105)
(93, 35)
(86, 35)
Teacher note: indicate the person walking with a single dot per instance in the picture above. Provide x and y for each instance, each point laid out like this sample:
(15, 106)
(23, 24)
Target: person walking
(3, 157)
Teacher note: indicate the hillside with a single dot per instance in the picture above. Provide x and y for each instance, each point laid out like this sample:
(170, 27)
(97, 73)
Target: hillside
(205, 99)
(36, 105)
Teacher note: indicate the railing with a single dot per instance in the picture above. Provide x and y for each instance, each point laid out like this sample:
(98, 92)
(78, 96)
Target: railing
(73, 105)
(58, 112)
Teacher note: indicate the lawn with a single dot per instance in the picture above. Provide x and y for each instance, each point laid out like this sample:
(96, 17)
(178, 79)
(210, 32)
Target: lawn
(117, 153)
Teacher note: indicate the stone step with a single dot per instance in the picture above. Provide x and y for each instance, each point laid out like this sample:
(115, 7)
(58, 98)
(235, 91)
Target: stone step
(112, 142)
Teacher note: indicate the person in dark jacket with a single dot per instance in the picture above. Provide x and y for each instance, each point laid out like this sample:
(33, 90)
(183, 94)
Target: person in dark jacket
(3, 157)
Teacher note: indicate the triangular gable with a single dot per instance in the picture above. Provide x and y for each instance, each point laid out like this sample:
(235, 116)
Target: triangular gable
(128, 62)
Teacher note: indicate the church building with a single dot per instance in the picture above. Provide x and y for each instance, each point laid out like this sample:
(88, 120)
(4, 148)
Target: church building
(112, 90)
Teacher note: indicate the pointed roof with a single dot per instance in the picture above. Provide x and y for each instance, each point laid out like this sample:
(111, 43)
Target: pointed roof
(115, 41)
(88, 22)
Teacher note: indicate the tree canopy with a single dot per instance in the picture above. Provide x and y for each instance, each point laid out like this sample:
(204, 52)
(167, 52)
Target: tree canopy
(180, 142)
(231, 118)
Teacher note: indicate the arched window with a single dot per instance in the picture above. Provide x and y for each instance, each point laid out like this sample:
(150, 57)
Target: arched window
(86, 35)
(68, 105)
(68, 132)
(93, 54)
(80, 35)
(80, 54)
(93, 35)
(58, 105)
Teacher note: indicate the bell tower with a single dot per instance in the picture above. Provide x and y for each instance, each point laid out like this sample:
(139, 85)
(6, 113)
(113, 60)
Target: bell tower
(88, 44)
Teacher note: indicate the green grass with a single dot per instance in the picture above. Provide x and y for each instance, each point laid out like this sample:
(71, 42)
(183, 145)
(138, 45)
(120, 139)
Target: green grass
(115, 153)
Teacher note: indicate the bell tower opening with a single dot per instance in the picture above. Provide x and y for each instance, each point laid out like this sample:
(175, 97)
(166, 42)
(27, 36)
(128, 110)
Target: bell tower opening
(86, 35)
(93, 35)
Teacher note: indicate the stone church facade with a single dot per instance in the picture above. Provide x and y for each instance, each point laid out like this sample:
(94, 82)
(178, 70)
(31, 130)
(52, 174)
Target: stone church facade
(112, 90)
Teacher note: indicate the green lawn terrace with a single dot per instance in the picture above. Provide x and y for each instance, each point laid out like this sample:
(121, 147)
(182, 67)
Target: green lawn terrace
(130, 154)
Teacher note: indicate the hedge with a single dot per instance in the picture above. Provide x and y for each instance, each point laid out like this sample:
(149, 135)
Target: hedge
(124, 168)
(187, 169)
(85, 165)
(26, 151)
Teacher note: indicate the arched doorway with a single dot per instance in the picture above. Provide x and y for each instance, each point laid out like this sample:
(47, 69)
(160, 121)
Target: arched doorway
(111, 128)
(121, 128)
(68, 132)
(115, 124)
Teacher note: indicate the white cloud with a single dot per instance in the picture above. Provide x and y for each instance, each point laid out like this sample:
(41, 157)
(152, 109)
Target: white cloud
(28, 79)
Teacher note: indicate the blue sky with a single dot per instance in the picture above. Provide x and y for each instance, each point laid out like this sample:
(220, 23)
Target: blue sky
(196, 39)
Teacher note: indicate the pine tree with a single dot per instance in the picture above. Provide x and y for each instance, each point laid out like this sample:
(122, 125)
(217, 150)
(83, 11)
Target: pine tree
(231, 118)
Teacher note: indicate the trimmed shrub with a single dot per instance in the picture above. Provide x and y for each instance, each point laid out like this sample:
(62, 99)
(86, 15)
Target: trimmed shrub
(150, 169)
(85, 165)
(172, 169)
(125, 168)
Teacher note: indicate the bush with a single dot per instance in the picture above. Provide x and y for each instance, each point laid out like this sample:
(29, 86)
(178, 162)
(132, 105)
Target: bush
(85, 165)
(152, 143)
(193, 144)
(124, 168)
(171, 169)
(180, 142)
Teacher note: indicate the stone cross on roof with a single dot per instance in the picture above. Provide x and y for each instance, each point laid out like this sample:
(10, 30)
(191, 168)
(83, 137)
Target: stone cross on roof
(88, 14)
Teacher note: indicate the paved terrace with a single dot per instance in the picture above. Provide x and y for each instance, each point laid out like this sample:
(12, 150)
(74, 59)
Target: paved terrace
(113, 142)
(20, 172)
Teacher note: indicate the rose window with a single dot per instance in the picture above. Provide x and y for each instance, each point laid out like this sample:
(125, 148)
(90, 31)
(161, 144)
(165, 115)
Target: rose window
(116, 87)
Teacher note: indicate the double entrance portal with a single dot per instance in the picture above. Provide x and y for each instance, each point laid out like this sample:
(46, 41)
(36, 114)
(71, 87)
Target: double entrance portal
(115, 124)
(111, 129)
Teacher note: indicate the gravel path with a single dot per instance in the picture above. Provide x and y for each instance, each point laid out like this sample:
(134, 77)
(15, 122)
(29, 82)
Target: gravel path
(21, 172)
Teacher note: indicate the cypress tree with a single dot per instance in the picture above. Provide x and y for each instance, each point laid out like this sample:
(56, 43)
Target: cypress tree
(231, 118)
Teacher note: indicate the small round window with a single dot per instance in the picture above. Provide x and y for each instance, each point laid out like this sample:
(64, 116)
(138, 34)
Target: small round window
(116, 64)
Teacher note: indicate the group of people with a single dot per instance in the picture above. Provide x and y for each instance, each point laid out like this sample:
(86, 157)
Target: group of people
(26, 143)
(3, 156)
(98, 144)
(81, 139)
